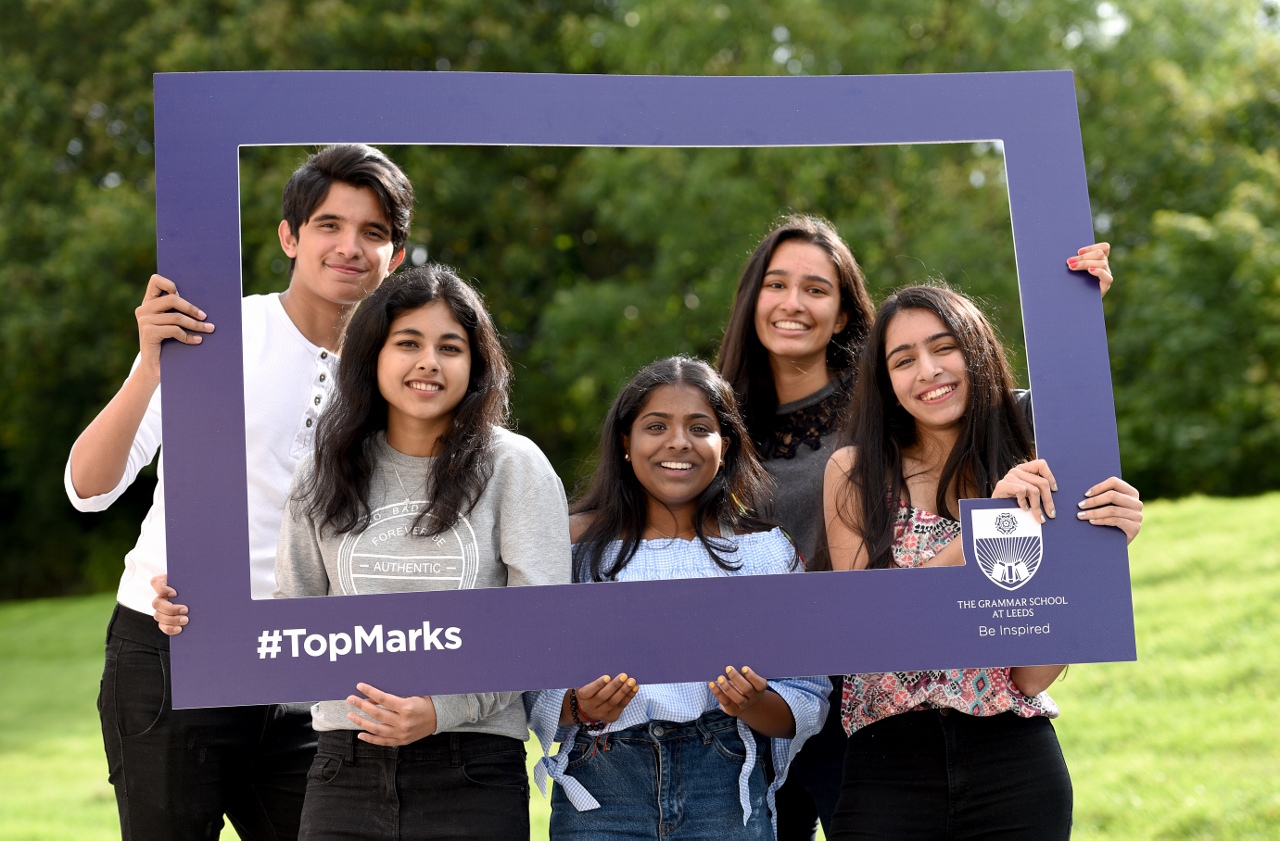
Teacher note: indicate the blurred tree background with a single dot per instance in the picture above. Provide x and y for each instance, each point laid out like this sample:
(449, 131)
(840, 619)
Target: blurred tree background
(597, 260)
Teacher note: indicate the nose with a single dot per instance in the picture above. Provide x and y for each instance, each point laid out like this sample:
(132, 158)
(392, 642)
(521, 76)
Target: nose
(349, 243)
(678, 439)
(929, 366)
(793, 301)
(427, 361)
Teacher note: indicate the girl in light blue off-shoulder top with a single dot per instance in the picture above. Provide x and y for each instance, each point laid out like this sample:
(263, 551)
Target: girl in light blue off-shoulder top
(674, 495)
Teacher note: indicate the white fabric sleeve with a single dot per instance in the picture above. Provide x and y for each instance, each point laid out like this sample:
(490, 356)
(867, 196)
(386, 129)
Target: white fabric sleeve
(146, 441)
(300, 569)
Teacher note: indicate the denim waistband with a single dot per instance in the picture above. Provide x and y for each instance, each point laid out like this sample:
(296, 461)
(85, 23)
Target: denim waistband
(949, 718)
(129, 624)
(661, 731)
(441, 747)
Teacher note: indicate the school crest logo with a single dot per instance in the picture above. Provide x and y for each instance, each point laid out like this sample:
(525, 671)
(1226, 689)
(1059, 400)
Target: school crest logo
(1008, 543)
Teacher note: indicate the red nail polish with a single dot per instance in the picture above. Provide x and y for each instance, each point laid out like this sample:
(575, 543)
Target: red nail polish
(1071, 262)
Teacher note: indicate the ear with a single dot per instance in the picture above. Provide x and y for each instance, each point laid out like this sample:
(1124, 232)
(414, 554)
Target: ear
(842, 320)
(724, 448)
(288, 241)
(626, 444)
(396, 260)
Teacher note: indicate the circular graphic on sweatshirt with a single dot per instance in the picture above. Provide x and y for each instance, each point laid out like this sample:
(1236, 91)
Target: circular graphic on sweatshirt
(393, 555)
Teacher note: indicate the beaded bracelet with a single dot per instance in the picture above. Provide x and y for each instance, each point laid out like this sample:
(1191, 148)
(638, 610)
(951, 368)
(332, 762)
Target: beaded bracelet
(590, 725)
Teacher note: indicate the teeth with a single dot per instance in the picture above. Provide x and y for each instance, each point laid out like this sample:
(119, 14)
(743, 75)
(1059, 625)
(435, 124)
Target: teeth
(424, 386)
(790, 325)
(937, 392)
(677, 465)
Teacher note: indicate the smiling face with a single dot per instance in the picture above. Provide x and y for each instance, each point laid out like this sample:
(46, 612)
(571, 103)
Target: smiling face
(798, 307)
(343, 251)
(423, 370)
(927, 369)
(675, 448)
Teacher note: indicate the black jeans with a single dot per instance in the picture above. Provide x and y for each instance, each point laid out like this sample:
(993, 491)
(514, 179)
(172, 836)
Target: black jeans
(451, 785)
(177, 772)
(942, 774)
(813, 782)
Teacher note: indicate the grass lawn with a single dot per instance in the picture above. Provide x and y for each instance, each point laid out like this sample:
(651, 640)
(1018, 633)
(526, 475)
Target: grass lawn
(1181, 744)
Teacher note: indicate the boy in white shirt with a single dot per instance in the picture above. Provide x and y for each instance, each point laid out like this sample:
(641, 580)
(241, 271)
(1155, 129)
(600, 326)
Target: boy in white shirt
(346, 213)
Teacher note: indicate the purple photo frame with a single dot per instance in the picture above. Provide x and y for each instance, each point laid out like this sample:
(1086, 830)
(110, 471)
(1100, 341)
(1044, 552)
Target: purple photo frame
(667, 631)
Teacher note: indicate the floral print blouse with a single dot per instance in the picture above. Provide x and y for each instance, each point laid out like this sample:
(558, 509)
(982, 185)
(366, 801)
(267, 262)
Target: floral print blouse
(918, 536)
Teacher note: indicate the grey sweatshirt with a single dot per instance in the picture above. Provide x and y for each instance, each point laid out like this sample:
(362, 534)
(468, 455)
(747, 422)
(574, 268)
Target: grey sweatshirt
(517, 534)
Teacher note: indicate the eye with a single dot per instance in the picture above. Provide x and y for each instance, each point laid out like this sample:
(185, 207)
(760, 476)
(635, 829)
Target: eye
(407, 343)
(817, 290)
(656, 427)
(901, 362)
(451, 349)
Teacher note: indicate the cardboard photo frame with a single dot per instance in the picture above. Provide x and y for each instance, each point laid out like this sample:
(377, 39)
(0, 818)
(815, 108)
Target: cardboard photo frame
(661, 631)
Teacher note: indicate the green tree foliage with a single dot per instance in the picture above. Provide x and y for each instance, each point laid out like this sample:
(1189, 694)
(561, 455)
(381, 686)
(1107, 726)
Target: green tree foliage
(597, 260)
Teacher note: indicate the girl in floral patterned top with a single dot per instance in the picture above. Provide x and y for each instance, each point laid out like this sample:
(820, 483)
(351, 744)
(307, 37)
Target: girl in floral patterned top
(799, 318)
(939, 754)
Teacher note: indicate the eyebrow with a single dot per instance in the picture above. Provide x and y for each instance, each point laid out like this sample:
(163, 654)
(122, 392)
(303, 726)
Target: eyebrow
(667, 415)
(810, 277)
(333, 217)
(414, 331)
(929, 340)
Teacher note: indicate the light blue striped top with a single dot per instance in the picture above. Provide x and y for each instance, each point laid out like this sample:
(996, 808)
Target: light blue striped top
(764, 553)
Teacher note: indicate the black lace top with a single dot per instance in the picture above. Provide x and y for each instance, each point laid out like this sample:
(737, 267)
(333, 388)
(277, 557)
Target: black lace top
(818, 416)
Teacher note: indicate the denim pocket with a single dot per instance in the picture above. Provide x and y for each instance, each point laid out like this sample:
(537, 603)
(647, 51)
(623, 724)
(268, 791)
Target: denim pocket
(503, 769)
(583, 751)
(324, 769)
(142, 673)
(729, 745)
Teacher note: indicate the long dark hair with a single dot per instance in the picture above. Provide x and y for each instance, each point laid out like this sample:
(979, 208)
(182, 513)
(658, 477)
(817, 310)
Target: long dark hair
(744, 362)
(337, 491)
(993, 433)
(737, 497)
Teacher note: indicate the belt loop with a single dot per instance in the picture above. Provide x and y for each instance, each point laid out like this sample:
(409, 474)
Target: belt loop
(455, 750)
(349, 757)
(110, 622)
(703, 729)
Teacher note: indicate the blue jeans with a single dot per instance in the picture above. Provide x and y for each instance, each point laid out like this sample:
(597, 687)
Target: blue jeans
(663, 780)
(447, 786)
(942, 774)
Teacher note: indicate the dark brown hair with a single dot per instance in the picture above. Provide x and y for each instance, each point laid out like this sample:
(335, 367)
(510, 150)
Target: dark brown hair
(993, 434)
(743, 360)
(737, 497)
(359, 166)
(337, 492)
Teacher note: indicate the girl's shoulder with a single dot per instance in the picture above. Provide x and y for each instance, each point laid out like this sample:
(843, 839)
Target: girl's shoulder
(765, 552)
(844, 458)
(304, 468)
(579, 523)
(511, 450)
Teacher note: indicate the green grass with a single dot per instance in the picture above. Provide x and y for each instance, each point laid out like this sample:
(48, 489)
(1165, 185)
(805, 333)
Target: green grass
(1181, 744)
(1184, 743)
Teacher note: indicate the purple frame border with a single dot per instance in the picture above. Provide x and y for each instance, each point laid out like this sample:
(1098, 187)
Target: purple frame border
(538, 637)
